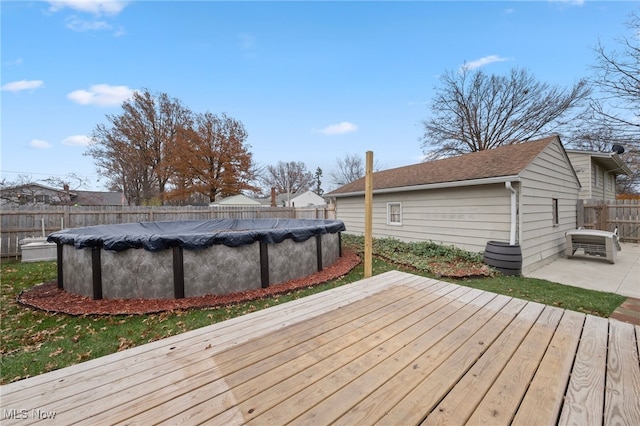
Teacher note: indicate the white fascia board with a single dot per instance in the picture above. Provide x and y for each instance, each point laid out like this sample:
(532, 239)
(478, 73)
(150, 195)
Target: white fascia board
(457, 184)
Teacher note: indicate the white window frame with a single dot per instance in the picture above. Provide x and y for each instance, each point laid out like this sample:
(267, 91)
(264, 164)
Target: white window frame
(389, 214)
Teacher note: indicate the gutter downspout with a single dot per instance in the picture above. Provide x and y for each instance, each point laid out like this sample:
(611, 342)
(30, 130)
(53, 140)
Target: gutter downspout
(514, 214)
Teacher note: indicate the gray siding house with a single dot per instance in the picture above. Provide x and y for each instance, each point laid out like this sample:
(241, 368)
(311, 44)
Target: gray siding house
(523, 193)
(38, 194)
(597, 172)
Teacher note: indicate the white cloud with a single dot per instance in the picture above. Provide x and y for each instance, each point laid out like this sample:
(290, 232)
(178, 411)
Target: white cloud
(96, 7)
(39, 144)
(101, 95)
(339, 129)
(77, 140)
(486, 60)
(81, 25)
(16, 86)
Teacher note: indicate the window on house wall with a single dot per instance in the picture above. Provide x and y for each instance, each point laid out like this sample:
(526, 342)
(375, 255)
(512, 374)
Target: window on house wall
(612, 182)
(43, 198)
(596, 175)
(394, 214)
(556, 215)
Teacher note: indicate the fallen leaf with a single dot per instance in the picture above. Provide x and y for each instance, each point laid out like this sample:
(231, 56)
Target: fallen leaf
(56, 352)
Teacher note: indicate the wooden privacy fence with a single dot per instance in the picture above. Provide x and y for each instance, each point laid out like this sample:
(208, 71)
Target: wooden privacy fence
(611, 214)
(23, 222)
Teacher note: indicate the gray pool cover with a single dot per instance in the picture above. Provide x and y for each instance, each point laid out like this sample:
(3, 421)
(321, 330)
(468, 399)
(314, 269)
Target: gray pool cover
(194, 234)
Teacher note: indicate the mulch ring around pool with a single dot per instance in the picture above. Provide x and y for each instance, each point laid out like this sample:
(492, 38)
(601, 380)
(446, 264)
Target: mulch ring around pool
(48, 297)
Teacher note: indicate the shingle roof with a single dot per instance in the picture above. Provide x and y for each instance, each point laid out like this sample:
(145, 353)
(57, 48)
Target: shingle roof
(97, 198)
(235, 200)
(508, 160)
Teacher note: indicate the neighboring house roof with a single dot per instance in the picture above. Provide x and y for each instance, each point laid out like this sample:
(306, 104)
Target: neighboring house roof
(97, 198)
(299, 200)
(308, 198)
(264, 201)
(236, 200)
(503, 162)
(33, 186)
(282, 199)
(611, 161)
(84, 198)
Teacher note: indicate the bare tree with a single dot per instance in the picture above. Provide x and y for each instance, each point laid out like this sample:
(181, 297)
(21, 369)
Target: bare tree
(288, 177)
(473, 111)
(617, 76)
(613, 116)
(348, 168)
(132, 151)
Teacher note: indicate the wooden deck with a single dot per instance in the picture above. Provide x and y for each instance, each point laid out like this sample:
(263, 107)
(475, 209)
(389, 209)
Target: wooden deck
(395, 349)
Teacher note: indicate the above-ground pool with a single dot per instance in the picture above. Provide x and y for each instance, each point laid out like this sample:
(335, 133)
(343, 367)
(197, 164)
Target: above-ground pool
(164, 260)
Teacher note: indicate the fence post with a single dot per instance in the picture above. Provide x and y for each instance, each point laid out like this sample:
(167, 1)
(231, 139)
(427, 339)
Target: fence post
(67, 215)
(580, 214)
(604, 217)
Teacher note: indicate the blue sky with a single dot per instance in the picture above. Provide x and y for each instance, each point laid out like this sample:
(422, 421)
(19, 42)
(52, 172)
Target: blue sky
(311, 81)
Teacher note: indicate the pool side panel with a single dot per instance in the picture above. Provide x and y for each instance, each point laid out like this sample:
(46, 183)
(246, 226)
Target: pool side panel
(77, 272)
(137, 274)
(289, 260)
(221, 270)
(330, 249)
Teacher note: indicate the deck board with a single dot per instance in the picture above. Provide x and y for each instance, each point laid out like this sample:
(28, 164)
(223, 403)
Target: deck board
(338, 392)
(329, 373)
(500, 403)
(459, 403)
(622, 400)
(584, 400)
(401, 399)
(257, 353)
(392, 349)
(544, 398)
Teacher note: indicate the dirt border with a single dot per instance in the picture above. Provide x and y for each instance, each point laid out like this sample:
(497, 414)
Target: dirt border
(49, 298)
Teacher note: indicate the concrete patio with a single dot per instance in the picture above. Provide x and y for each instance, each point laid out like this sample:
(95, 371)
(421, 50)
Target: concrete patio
(596, 273)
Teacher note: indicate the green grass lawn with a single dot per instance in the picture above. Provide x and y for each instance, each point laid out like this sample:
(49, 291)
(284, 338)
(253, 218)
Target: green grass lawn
(33, 342)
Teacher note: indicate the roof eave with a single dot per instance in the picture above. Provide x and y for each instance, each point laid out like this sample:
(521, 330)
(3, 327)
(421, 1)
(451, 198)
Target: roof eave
(456, 184)
(615, 164)
(612, 161)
